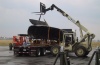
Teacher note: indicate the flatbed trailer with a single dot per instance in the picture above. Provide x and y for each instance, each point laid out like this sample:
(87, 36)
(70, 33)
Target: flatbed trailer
(30, 50)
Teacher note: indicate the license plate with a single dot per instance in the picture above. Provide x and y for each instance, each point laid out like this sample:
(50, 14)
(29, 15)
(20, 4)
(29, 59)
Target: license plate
(24, 49)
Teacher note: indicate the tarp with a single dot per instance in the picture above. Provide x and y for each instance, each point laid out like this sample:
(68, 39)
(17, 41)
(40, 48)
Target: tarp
(45, 32)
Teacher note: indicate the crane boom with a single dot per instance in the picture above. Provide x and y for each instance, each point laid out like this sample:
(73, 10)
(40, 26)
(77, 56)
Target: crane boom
(66, 15)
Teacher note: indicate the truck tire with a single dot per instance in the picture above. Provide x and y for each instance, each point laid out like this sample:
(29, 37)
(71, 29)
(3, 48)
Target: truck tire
(42, 52)
(37, 52)
(81, 51)
(31, 54)
(55, 50)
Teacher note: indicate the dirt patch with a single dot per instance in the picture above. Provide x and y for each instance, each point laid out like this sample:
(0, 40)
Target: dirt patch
(95, 44)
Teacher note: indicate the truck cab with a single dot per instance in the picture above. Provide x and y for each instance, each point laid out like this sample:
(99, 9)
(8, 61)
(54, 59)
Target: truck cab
(22, 45)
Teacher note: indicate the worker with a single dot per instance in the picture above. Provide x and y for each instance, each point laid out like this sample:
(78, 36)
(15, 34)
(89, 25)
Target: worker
(10, 46)
(27, 41)
(24, 43)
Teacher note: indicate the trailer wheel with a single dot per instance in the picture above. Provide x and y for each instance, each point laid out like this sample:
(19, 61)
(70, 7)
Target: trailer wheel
(37, 52)
(80, 51)
(31, 54)
(55, 50)
(42, 52)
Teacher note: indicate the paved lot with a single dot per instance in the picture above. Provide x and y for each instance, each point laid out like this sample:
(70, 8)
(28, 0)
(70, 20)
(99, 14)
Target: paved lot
(7, 58)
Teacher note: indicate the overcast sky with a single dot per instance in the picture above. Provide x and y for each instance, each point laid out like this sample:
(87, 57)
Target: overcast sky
(15, 15)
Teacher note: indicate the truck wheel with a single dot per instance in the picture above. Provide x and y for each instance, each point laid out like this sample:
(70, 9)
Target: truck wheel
(55, 50)
(43, 52)
(37, 52)
(80, 51)
(31, 54)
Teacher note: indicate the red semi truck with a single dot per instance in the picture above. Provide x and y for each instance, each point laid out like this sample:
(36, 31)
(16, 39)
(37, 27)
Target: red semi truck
(23, 46)
(43, 38)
